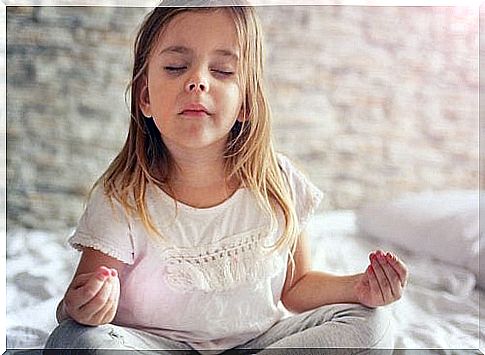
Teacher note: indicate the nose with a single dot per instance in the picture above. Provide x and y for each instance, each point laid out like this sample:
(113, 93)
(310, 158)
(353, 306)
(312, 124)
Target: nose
(197, 83)
(196, 86)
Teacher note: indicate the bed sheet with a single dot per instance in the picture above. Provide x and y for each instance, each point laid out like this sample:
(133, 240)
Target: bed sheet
(439, 308)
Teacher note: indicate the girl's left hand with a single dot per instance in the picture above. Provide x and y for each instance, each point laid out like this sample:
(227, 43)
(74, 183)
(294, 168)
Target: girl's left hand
(383, 281)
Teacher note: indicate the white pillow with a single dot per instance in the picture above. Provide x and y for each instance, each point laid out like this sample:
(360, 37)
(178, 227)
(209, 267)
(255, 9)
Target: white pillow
(443, 225)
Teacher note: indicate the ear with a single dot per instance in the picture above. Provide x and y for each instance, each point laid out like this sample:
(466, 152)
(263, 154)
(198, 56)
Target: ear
(240, 116)
(144, 97)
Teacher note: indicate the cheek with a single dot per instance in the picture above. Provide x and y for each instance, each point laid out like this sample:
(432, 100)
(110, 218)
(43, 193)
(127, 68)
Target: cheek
(162, 94)
(234, 99)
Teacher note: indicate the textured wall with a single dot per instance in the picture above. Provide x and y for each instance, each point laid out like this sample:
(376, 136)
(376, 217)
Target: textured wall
(370, 101)
(385, 99)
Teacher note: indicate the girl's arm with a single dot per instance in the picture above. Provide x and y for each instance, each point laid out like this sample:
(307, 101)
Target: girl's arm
(382, 282)
(89, 289)
(61, 314)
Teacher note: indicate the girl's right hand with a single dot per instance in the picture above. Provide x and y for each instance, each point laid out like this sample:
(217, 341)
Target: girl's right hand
(92, 298)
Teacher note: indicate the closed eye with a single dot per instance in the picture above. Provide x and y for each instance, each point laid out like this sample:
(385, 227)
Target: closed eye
(223, 72)
(174, 69)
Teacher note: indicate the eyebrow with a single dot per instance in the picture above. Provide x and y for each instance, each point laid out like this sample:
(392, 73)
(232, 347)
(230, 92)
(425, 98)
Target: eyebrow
(185, 50)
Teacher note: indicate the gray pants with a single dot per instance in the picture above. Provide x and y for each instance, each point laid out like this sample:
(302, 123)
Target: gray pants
(341, 328)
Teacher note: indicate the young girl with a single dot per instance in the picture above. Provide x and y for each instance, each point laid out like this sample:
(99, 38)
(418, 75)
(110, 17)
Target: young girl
(196, 230)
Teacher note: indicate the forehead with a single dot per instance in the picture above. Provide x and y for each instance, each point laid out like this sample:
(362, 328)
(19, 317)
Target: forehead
(211, 29)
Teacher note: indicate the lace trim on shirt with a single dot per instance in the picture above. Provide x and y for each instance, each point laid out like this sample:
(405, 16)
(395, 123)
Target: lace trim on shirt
(306, 195)
(79, 240)
(310, 207)
(223, 266)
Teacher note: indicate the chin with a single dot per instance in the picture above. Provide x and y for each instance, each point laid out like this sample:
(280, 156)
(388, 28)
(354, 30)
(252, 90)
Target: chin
(196, 140)
(200, 145)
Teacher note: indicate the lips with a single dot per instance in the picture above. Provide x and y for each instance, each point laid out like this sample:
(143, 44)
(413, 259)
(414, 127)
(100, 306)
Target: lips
(195, 110)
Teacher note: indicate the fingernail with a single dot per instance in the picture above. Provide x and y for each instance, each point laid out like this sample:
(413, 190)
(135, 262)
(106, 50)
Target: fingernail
(105, 273)
(114, 272)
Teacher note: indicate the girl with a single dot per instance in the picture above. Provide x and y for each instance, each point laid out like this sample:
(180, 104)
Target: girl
(196, 230)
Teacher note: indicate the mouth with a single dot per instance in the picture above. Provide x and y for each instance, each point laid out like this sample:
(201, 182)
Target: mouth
(195, 110)
(194, 113)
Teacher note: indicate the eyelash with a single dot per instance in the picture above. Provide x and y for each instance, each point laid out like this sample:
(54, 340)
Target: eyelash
(174, 70)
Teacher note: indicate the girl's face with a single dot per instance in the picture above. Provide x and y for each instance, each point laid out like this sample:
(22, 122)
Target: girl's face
(193, 92)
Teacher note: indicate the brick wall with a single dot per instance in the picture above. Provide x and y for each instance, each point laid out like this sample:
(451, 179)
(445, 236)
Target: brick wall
(369, 101)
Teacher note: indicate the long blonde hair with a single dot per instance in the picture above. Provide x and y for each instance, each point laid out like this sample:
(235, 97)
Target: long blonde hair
(249, 155)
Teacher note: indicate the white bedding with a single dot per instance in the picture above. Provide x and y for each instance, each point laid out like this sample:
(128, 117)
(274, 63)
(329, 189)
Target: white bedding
(439, 309)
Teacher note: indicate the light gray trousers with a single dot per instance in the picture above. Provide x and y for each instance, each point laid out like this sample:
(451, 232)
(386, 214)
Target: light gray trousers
(339, 328)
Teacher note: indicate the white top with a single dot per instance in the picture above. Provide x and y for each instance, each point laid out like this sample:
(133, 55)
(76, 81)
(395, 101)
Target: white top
(210, 284)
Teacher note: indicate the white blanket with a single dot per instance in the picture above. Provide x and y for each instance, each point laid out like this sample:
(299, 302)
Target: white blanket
(439, 309)
(440, 305)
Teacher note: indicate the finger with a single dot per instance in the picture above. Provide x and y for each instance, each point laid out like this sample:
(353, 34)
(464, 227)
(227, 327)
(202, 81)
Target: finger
(399, 267)
(112, 313)
(373, 284)
(98, 302)
(81, 279)
(90, 289)
(108, 312)
(381, 279)
(391, 274)
(101, 316)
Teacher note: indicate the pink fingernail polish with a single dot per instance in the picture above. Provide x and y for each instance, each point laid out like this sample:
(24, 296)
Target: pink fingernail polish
(114, 272)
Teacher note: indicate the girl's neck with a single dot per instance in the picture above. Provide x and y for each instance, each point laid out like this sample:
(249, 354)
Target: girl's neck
(199, 173)
(198, 168)
(199, 180)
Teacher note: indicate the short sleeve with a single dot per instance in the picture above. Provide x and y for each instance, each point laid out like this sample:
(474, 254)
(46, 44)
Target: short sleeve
(104, 226)
(305, 194)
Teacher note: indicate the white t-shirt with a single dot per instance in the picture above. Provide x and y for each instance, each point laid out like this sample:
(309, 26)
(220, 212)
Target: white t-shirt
(210, 283)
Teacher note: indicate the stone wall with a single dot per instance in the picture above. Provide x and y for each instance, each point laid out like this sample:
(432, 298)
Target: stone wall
(385, 99)
(370, 101)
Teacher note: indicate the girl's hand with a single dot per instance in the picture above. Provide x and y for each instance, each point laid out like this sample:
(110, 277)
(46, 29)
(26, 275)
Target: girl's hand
(92, 298)
(383, 281)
